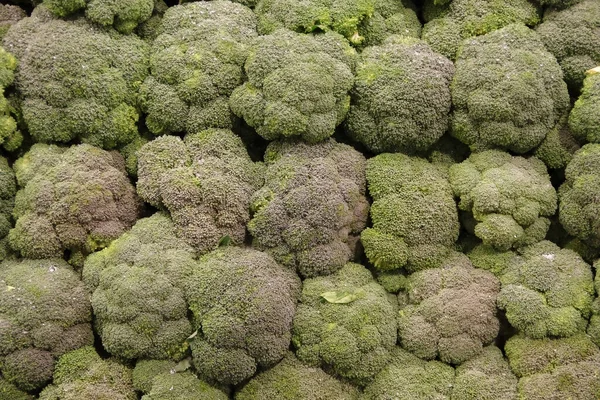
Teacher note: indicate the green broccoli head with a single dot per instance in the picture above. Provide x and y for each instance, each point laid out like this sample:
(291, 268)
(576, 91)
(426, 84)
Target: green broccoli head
(242, 304)
(510, 198)
(9, 15)
(205, 181)
(86, 91)
(401, 97)
(391, 17)
(44, 312)
(8, 188)
(584, 119)
(312, 206)
(507, 91)
(345, 322)
(8, 391)
(75, 199)
(10, 136)
(415, 222)
(292, 380)
(297, 85)
(558, 147)
(196, 62)
(182, 386)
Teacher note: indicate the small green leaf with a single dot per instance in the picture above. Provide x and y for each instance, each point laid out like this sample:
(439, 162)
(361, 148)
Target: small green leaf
(225, 241)
(342, 296)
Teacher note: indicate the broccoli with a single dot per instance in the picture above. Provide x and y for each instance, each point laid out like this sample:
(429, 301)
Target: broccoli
(312, 206)
(182, 386)
(584, 119)
(447, 151)
(557, 4)
(148, 30)
(297, 85)
(76, 199)
(8, 391)
(8, 188)
(391, 17)
(242, 304)
(557, 149)
(196, 62)
(345, 322)
(44, 313)
(9, 15)
(415, 222)
(10, 136)
(507, 91)
(205, 181)
(146, 370)
(594, 326)
(401, 97)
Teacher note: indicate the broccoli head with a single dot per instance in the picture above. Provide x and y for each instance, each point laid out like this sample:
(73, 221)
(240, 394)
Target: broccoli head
(584, 119)
(9, 15)
(401, 97)
(44, 312)
(8, 188)
(312, 206)
(205, 181)
(10, 136)
(196, 62)
(345, 322)
(182, 386)
(507, 91)
(242, 304)
(297, 85)
(557, 149)
(391, 17)
(508, 198)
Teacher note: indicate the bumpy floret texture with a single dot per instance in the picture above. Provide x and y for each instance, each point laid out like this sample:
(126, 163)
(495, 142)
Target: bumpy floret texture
(312, 206)
(510, 198)
(242, 304)
(415, 222)
(8, 188)
(182, 386)
(390, 17)
(205, 181)
(345, 322)
(44, 312)
(70, 198)
(196, 62)
(297, 85)
(10, 136)
(557, 149)
(584, 119)
(401, 97)
(507, 91)
(9, 15)
(8, 391)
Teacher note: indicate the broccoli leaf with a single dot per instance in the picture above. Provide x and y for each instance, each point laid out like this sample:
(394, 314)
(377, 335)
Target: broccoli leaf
(342, 296)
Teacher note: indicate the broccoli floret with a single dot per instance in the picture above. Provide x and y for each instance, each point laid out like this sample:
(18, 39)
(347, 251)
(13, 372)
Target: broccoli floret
(9, 15)
(10, 136)
(182, 386)
(75, 199)
(312, 206)
(148, 30)
(507, 91)
(196, 62)
(44, 313)
(8, 188)
(391, 17)
(146, 370)
(8, 391)
(242, 303)
(205, 181)
(345, 322)
(584, 119)
(510, 198)
(557, 149)
(297, 85)
(415, 222)
(447, 151)
(401, 97)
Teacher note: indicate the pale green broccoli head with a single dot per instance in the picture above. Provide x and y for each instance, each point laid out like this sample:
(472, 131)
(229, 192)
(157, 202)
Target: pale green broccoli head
(242, 304)
(557, 149)
(196, 62)
(345, 322)
(312, 206)
(8, 391)
(8, 188)
(182, 386)
(401, 97)
(44, 312)
(510, 198)
(9, 15)
(584, 119)
(507, 91)
(297, 85)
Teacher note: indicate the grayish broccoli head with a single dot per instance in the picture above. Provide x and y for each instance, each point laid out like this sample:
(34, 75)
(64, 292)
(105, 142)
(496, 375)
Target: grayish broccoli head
(557, 149)
(401, 97)
(510, 198)
(507, 91)
(8, 188)
(297, 85)
(584, 119)
(449, 312)
(205, 181)
(415, 222)
(292, 380)
(242, 303)
(312, 205)
(8, 391)
(138, 296)
(44, 312)
(196, 62)
(345, 322)
(10, 136)
(182, 386)
(77, 199)
(77, 81)
(9, 15)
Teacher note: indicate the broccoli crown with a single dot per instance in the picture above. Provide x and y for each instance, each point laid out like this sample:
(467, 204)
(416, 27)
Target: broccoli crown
(10, 137)
(77, 199)
(9, 15)
(8, 391)
(468, 18)
(182, 386)
(44, 313)
(242, 303)
(507, 91)
(584, 119)
(401, 97)
(415, 222)
(558, 147)
(510, 198)
(390, 17)
(346, 322)
(409, 377)
(77, 81)
(312, 205)
(138, 296)
(205, 181)
(8, 188)
(297, 85)
(196, 62)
